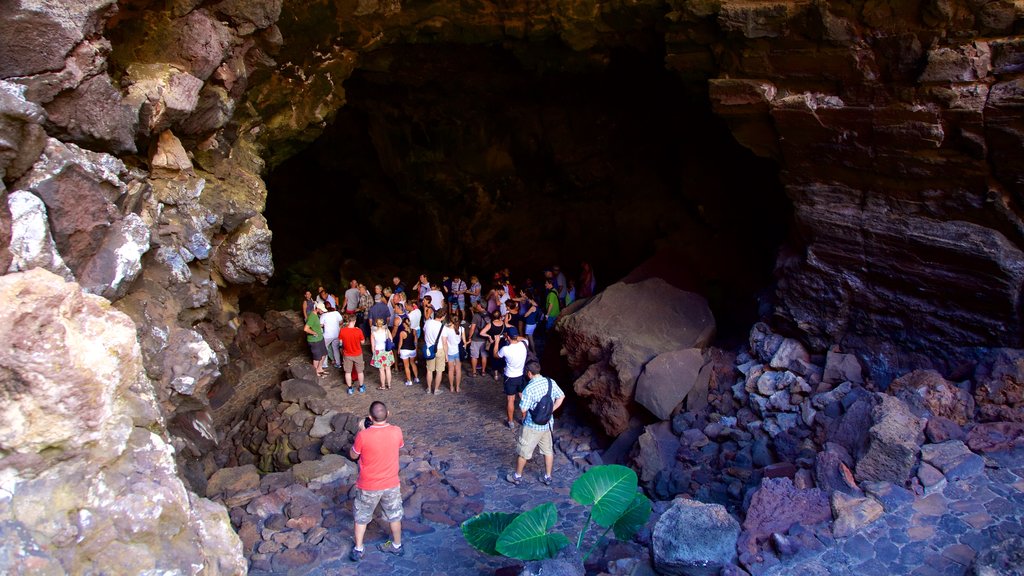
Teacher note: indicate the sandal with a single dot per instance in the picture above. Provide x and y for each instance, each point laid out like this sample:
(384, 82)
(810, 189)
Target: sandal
(381, 388)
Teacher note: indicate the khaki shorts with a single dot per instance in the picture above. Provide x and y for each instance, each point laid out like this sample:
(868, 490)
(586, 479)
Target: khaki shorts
(436, 364)
(366, 501)
(351, 361)
(530, 439)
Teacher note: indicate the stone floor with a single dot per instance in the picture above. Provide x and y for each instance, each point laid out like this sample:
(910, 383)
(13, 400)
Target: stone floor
(456, 433)
(938, 533)
(464, 436)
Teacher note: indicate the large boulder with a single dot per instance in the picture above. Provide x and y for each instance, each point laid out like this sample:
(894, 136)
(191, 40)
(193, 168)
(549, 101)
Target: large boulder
(894, 443)
(928, 394)
(669, 378)
(610, 340)
(82, 438)
(776, 506)
(1000, 390)
(694, 539)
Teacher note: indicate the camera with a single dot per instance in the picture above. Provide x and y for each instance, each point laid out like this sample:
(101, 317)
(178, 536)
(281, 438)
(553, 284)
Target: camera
(367, 422)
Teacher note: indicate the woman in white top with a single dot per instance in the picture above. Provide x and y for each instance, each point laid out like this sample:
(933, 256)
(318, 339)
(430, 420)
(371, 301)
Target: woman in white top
(455, 335)
(382, 358)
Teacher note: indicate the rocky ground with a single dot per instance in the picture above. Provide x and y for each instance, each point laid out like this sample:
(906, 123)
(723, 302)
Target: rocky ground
(457, 453)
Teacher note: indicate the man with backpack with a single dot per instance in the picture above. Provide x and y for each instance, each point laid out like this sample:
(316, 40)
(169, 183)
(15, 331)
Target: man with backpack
(540, 399)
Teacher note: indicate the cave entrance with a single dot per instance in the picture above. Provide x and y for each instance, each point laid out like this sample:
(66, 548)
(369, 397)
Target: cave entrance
(466, 158)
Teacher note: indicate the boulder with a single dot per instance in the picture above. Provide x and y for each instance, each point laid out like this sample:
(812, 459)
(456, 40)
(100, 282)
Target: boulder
(164, 95)
(776, 506)
(655, 451)
(609, 348)
(227, 481)
(939, 429)
(296, 391)
(893, 443)
(666, 380)
(329, 468)
(31, 245)
(94, 116)
(996, 436)
(1000, 386)
(24, 133)
(35, 37)
(928, 394)
(853, 513)
(954, 459)
(244, 257)
(694, 539)
(842, 368)
(791, 355)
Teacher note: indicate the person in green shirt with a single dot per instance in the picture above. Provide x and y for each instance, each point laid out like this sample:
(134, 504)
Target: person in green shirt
(315, 338)
(551, 301)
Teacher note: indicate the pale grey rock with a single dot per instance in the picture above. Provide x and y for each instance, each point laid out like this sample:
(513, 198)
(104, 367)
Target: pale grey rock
(245, 257)
(31, 244)
(22, 138)
(163, 94)
(667, 379)
(791, 355)
(322, 425)
(190, 364)
(853, 513)
(694, 539)
(325, 470)
(118, 261)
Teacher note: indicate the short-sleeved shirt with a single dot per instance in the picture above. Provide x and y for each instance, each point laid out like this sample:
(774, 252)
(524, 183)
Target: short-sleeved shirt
(480, 320)
(515, 358)
(331, 323)
(351, 341)
(351, 299)
(379, 310)
(552, 304)
(432, 333)
(313, 321)
(536, 389)
(474, 295)
(377, 447)
(436, 299)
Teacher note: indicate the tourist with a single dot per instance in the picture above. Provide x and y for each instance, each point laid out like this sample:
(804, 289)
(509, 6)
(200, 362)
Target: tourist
(455, 335)
(326, 297)
(415, 318)
(494, 333)
(474, 291)
(352, 347)
(531, 317)
(457, 299)
(407, 342)
(397, 286)
(365, 301)
(433, 342)
(331, 324)
(422, 287)
(588, 283)
(560, 284)
(307, 304)
(381, 358)
(315, 338)
(352, 298)
(570, 293)
(478, 341)
(378, 311)
(428, 307)
(534, 435)
(552, 306)
(514, 355)
(376, 448)
(436, 298)
(398, 319)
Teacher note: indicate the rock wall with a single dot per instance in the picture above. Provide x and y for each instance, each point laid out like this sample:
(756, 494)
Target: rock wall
(88, 482)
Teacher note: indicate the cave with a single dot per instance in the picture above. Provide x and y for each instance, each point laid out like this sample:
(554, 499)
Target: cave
(806, 220)
(469, 159)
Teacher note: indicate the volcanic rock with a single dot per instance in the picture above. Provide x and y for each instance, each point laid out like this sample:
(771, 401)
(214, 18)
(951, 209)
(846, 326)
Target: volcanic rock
(928, 394)
(668, 378)
(893, 443)
(610, 348)
(694, 539)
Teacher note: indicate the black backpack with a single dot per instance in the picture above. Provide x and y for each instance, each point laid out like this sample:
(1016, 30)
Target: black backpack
(541, 411)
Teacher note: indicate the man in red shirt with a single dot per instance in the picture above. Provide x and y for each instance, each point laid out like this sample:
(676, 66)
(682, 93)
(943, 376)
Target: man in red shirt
(352, 345)
(376, 449)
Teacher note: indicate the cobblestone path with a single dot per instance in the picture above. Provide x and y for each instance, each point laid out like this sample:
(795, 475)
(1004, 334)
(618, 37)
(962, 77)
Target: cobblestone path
(463, 435)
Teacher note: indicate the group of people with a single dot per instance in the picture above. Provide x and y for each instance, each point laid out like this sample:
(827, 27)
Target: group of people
(446, 322)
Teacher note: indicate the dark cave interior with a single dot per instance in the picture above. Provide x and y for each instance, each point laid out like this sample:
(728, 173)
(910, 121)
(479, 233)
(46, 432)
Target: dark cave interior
(460, 158)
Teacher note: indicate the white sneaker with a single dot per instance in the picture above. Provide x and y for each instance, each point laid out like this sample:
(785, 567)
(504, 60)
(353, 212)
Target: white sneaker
(408, 383)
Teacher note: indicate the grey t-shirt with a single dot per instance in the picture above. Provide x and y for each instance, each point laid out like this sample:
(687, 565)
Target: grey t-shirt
(352, 299)
(480, 320)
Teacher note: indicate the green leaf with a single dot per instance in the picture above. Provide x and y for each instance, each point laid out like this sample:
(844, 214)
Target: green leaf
(633, 518)
(527, 538)
(609, 488)
(482, 530)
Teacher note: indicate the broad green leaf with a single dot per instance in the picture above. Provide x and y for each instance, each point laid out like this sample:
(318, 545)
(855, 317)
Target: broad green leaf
(609, 488)
(482, 530)
(527, 538)
(633, 518)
